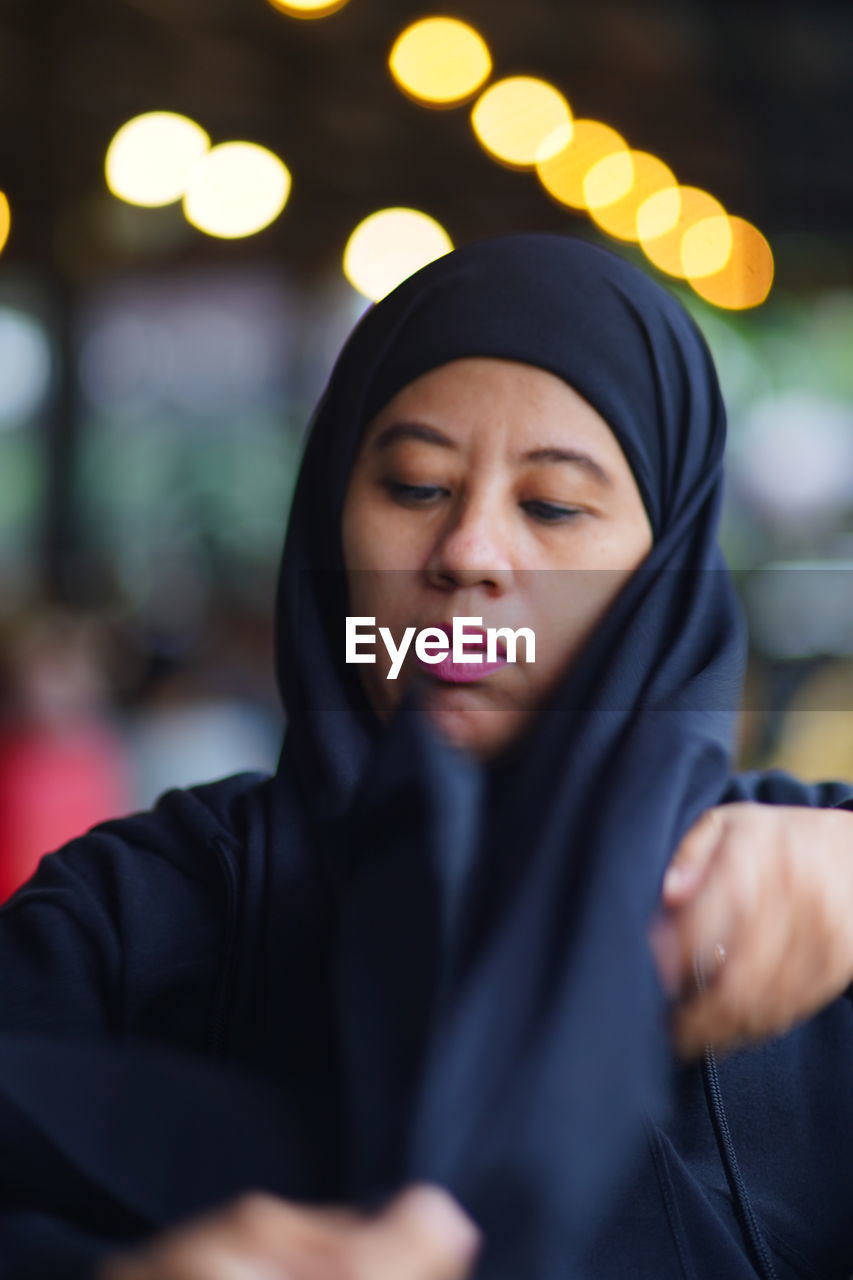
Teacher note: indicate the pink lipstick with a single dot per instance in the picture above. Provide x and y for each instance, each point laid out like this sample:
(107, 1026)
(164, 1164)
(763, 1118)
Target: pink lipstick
(465, 672)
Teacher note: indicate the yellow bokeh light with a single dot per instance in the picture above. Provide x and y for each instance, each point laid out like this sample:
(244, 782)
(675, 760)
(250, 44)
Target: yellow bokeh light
(670, 213)
(609, 179)
(440, 61)
(522, 121)
(150, 159)
(5, 220)
(236, 190)
(619, 218)
(389, 246)
(659, 213)
(746, 279)
(706, 246)
(308, 8)
(562, 174)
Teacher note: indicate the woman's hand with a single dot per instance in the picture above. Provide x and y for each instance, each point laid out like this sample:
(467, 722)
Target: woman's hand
(757, 928)
(421, 1235)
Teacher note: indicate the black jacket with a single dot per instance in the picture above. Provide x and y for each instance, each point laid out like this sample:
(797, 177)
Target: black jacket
(143, 938)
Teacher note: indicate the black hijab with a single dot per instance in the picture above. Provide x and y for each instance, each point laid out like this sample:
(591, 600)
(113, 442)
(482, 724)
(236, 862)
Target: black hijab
(479, 996)
(413, 966)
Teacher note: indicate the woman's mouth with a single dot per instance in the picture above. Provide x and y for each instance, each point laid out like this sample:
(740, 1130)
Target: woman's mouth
(476, 668)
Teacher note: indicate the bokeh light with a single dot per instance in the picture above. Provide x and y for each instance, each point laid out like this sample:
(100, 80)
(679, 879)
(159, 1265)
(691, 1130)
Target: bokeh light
(792, 457)
(236, 190)
(389, 246)
(308, 8)
(619, 217)
(150, 159)
(706, 246)
(562, 174)
(609, 179)
(747, 277)
(211, 345)
(5, 220)
(663, 219)
(522, 121)
(25, 367)
(440, 61)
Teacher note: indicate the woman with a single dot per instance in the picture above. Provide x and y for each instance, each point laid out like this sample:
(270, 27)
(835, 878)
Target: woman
(420, 952)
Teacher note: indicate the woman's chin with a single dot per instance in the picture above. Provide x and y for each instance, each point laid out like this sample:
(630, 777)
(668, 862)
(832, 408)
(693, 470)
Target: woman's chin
(460, 715)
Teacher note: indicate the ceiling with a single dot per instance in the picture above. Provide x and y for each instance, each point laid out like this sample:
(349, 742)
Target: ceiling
(753, 102)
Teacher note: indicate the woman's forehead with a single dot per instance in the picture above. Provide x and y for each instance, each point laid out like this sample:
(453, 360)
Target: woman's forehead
(492, 394)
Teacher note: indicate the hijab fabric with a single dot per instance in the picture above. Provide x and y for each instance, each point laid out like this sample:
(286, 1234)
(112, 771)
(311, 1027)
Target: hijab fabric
(479, 996)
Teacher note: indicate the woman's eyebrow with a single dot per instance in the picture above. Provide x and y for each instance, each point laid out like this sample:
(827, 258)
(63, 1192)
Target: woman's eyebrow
(545, 453)
(412, 431)
(575, 457)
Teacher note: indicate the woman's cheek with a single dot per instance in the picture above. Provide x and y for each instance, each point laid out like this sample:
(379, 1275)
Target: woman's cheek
(386, 543)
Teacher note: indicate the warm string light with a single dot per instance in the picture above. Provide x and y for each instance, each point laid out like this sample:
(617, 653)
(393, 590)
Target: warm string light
(307, 8)
(440, 62)
(5, 220)
(389, 246)
(151, 157)
(664, 219)
(563, 173)
(236, 190)
(747, 277)
(231, 190)
(618, 217)
(706, 246)
(521, 121)
(586, 165)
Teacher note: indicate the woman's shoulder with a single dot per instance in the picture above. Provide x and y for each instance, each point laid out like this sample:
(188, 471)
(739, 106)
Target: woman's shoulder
(184, 819)
(177, 837)
(136, 906)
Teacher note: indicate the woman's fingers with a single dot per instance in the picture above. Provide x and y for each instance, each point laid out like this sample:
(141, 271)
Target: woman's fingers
(692, 858)
(688, 869)
(765, 938)
(740, 998)
(194, 1259)
(422, 1234)
(696, 925)
(240, 1241)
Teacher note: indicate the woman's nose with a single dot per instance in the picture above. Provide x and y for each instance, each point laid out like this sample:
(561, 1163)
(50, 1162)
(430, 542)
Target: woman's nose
(472, 549)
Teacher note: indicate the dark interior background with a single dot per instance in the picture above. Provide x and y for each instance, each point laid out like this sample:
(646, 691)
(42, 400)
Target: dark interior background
(144, 488)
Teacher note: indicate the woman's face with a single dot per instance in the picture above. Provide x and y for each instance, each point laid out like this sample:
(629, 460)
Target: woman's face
(490, 489)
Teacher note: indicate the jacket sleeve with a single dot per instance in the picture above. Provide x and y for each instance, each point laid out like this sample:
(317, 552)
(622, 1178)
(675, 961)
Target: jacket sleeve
(38, 1246)
(776, 786)
(111, 936)
(116, 938)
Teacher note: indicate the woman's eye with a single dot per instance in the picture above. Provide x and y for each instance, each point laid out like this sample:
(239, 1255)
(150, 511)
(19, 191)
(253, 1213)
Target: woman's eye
(413, 495)
(550, 513)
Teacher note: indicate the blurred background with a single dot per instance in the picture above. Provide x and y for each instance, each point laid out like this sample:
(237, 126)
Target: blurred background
(198, 198)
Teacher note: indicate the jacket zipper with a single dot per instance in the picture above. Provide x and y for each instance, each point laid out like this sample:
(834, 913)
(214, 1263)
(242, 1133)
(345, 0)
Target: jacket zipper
(749, 1223)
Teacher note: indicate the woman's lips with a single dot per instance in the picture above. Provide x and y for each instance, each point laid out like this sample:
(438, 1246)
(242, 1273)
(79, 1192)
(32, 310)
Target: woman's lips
(464, 672)
(460, 672)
